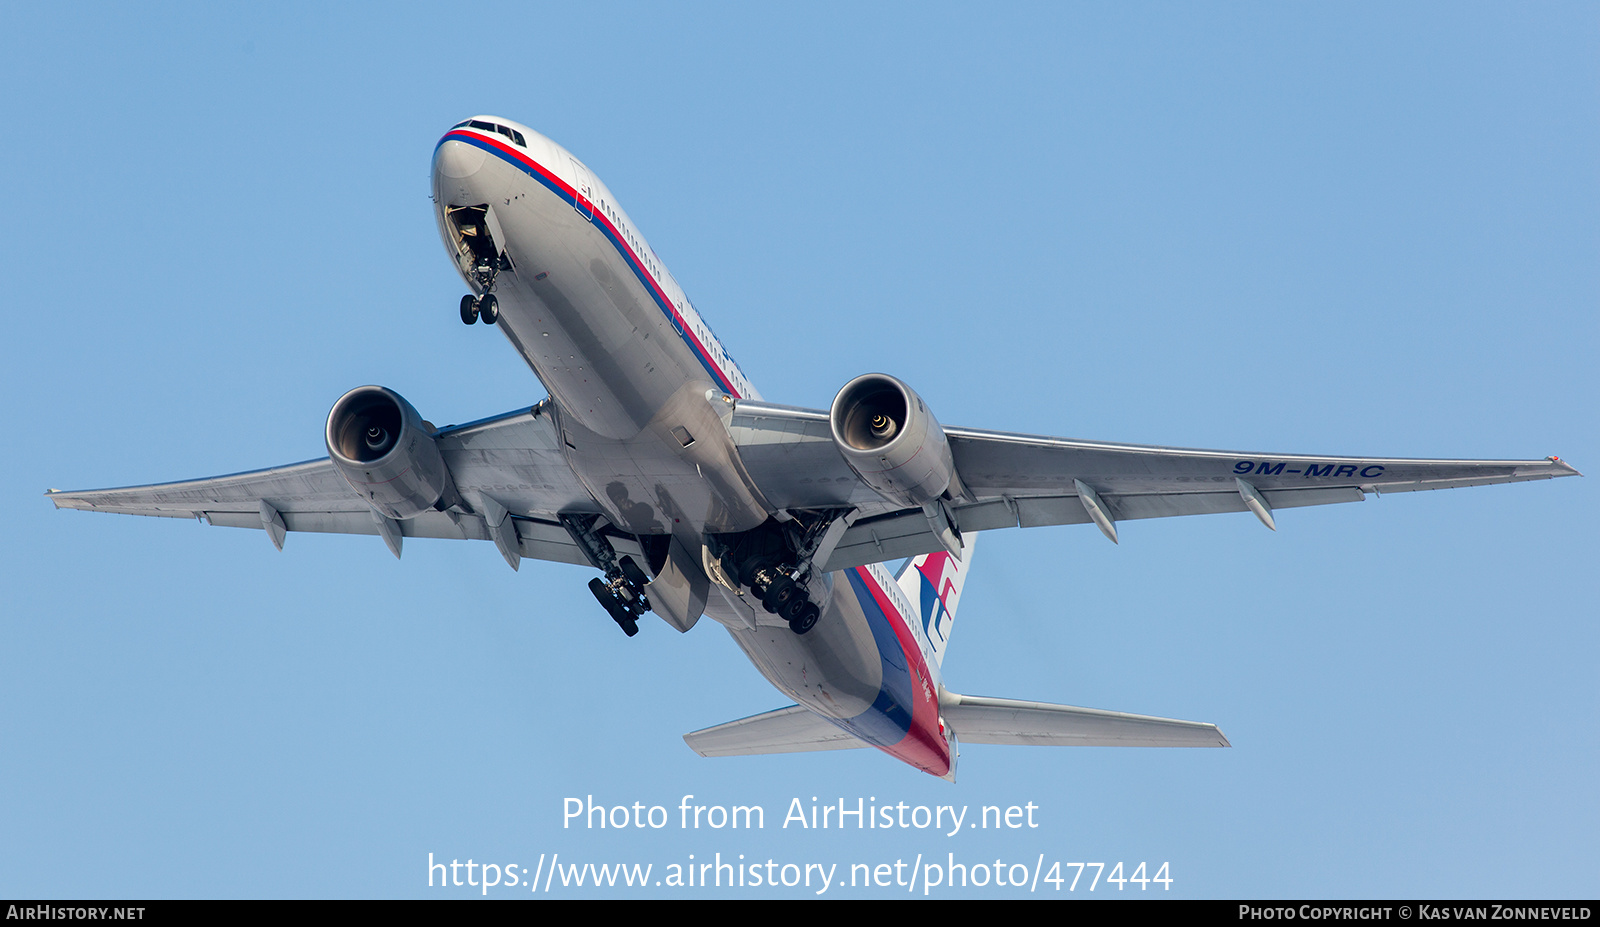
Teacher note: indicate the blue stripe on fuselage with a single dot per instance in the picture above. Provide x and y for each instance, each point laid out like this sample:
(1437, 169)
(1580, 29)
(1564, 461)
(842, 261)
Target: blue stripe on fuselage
(888, 721)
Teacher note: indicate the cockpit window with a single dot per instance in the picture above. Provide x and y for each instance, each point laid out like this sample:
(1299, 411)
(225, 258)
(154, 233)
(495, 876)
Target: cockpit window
(508, 132)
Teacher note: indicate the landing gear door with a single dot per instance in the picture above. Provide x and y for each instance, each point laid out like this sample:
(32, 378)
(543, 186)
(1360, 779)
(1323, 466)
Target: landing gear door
(678, 593)
(478, 242)
(495, 235)
(583, 187)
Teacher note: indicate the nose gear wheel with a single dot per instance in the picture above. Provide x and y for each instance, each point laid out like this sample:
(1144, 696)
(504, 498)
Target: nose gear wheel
(485, 309)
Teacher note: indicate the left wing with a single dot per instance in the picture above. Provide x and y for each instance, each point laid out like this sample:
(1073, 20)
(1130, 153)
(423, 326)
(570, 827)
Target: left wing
(511, 460)
(1028, 481)
(787, 730)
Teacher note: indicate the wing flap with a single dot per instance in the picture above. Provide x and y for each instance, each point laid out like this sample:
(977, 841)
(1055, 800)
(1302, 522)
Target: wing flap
(878, 540)
(787, 730)
(980, 720)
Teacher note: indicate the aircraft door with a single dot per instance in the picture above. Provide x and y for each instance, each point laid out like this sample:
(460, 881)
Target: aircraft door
(583, 200)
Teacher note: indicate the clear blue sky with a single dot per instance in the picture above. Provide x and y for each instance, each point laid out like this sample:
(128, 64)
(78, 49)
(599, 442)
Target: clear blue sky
(1356, 229)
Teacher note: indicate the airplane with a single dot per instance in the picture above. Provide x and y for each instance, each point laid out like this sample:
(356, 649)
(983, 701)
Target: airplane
(655, 462)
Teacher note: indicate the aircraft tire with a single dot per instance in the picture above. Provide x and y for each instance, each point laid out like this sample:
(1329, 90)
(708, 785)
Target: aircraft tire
(806, 620)
(779, 593)
(632, 572)
(469, 309)
(793, 608)
(489, 307)
(613, 606)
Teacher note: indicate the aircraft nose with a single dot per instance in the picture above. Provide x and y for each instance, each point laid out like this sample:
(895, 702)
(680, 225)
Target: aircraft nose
(458, 160)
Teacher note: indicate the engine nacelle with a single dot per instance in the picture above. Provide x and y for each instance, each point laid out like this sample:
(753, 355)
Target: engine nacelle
(382, 448)
(891, 440)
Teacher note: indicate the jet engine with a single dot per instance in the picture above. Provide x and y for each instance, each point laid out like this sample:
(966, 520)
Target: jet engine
(386, 452)
(891, 440)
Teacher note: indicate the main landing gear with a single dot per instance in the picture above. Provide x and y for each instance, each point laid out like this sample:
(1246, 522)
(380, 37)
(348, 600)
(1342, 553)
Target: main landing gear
(783, 596)
(623, 596)
(774, 561)
(621, 593)
(474, 308)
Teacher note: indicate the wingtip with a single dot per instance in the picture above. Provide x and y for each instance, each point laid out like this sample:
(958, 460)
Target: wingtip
(1569, 469)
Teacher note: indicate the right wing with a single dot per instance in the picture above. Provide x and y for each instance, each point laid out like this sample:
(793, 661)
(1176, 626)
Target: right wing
(1029, 481)
(513, 457)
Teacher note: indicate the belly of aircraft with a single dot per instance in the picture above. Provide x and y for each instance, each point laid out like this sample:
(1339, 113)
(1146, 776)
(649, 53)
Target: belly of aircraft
(572, 307)
(631, 397)
(854, 669)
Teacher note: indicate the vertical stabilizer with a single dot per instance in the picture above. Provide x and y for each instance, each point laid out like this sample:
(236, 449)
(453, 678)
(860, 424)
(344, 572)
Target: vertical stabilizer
(933, 584)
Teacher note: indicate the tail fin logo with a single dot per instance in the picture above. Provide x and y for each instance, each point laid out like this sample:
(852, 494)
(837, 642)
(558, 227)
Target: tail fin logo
(939, 593)
(934, 583)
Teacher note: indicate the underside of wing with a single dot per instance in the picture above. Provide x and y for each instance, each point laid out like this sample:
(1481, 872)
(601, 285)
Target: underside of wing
(978, 720)
(507, 469)
(1013, 480)
(787, 730)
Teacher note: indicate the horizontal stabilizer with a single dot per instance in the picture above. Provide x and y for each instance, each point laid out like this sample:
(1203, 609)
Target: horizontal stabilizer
(978, 720)
(787, 730)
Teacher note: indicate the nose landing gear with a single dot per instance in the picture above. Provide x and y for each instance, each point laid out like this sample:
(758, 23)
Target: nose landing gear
(481, 256)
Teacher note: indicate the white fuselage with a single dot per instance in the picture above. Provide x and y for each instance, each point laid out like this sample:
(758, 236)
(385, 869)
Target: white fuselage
(638, 381)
